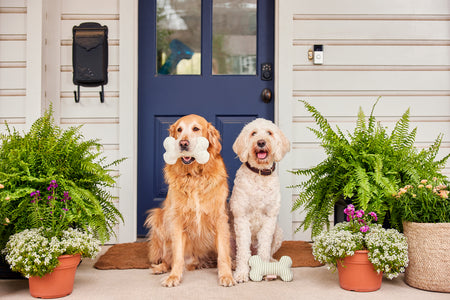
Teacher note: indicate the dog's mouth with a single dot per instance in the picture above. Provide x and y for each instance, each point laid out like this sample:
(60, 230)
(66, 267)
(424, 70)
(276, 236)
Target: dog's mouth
(187, 159)
(262, 154)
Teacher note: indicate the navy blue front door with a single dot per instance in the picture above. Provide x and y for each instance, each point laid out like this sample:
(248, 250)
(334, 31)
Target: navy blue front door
(228, 101)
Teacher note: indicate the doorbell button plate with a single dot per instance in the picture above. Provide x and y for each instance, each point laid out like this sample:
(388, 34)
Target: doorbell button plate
(318, 54)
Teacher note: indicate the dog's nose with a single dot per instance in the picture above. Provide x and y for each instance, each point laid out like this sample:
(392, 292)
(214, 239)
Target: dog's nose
(184, 144)
(261, 143)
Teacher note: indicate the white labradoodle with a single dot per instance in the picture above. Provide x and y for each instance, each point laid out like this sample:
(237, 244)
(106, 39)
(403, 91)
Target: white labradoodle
(255, 201)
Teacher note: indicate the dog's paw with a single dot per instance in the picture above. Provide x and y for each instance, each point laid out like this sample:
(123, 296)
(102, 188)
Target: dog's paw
(226, 280)
(171, 281)
(159, 269)
(241, 276)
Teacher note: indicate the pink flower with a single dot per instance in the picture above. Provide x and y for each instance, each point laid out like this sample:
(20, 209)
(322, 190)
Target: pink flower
(373, 215)
(359, 213)
(364, 228)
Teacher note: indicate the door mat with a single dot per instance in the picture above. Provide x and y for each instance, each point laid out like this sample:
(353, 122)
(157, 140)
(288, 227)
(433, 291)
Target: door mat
(134, 256)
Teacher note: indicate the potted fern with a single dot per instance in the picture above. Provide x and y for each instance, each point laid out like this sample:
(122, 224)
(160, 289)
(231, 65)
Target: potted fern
(365, 168)
(45, 154)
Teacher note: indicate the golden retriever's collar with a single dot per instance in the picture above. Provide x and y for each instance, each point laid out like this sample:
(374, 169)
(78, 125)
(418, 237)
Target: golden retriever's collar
(263, 172)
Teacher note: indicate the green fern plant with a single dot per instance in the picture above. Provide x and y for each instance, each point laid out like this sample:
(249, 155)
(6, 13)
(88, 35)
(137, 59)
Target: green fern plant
(367, 166)
(30, 162)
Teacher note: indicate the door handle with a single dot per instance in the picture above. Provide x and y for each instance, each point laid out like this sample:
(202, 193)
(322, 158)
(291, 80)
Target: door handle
(266, 95)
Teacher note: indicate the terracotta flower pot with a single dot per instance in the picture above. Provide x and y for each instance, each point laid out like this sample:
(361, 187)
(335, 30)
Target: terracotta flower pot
(58, 283)
(357, 273)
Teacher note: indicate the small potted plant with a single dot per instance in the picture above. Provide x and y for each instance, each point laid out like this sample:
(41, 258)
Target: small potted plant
(49, 253)
(424, 208)
(362, 251)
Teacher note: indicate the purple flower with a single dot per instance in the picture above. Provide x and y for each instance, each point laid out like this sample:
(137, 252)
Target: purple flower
(373, 215)
(364, 228)
(359, 213)
(35, 193)
(53, 185)
(65, 209)
(66, 197)
(349, 211)
(49, 197)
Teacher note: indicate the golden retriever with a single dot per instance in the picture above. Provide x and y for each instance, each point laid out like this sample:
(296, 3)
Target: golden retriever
(191, 227)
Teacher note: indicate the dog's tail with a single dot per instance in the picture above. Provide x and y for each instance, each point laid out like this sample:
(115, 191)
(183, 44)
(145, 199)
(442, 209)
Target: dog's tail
(155, 223)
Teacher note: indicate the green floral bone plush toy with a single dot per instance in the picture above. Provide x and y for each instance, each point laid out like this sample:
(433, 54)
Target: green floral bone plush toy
(200, 151)
(260, 268)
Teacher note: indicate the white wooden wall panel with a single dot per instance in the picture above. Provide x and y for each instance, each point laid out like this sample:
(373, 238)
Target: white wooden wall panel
(13, 22)
(90, 107)
(12, 3)
(11, 107)
(409, 7)
(12, 51)
(89, 6)
(12, 78)
(371, 29)
(370, 80)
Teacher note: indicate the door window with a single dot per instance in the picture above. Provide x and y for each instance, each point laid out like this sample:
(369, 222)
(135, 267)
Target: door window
(178, 37)
(234, 37)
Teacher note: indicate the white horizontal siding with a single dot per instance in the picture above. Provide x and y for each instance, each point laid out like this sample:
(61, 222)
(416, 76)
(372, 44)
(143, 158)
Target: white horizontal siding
(13, 23)
(406, 7)
(371, 80)
(398, 49)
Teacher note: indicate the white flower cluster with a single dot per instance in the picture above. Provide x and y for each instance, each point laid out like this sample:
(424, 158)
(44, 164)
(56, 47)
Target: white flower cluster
(388, 250)
(337, 243)
(33, 252)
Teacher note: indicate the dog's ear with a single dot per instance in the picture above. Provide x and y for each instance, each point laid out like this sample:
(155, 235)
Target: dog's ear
(283, 145)
(241, 145)
(214, 140)
(173, 129)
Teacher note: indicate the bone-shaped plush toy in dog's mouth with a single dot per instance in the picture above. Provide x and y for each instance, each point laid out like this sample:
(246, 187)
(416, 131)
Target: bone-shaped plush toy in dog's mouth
(199, 153)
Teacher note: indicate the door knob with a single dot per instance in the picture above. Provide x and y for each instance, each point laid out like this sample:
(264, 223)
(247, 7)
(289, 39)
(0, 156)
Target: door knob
(266, 95)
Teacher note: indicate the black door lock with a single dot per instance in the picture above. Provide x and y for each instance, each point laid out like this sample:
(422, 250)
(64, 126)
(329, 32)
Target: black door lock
(266, 71)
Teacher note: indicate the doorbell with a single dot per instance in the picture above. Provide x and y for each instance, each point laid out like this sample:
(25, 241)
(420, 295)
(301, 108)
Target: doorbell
(318, 54)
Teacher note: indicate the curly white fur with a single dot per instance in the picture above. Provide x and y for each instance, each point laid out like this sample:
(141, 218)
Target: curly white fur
(255, 200)
(200, 151)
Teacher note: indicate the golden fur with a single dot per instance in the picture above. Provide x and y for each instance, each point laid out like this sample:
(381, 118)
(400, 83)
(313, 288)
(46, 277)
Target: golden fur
(191, 227)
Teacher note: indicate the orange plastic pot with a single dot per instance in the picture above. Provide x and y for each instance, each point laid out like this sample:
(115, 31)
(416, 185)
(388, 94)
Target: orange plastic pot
(58, 283)
(357, 273)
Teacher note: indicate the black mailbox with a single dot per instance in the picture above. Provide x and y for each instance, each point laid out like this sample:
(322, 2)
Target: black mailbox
(90, 57)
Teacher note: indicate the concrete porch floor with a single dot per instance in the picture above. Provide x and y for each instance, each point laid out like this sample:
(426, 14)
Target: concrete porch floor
(308, 283)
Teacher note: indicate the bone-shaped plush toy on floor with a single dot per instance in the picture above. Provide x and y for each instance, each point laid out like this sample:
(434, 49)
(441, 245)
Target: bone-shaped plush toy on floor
(260, 268)
(200, 151)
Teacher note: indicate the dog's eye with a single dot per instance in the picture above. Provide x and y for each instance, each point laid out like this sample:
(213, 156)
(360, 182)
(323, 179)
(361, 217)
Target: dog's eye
(195, 128)
(269, 132)
(179, 129)
(253, 133)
